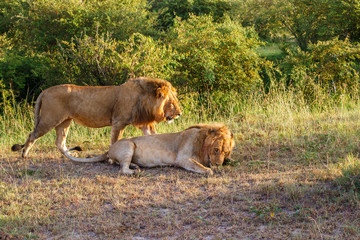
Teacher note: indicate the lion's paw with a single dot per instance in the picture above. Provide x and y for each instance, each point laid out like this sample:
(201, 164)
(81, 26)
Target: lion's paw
(134, 166)
(127, 171)
(209, 172)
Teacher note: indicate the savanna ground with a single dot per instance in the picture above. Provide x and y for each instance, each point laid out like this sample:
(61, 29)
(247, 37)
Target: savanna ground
(294, 175)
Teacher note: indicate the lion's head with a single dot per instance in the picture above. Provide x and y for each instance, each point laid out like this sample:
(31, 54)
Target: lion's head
(171, 107)
(215, 144)
(157, 103)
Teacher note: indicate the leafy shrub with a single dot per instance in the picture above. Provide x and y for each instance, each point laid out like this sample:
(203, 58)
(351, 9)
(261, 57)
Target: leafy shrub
(39, 24)
(5, 97)
(329, 68)
(22, 72)
(216, 56)
(306, 21)
(169, 9)
(8, 9)
(102, 60)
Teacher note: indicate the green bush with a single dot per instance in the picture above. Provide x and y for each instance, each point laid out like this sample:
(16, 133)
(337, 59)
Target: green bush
(203, 50)
(22, 72)
(305, 21)
(329, 68)
(102, 60)
(169, 9)
(216, 56)
(5, 97)
(8, 9)
(39, 24)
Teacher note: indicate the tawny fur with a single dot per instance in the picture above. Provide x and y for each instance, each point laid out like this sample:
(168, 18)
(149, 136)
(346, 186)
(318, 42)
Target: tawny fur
(141, 102)
(194, 149)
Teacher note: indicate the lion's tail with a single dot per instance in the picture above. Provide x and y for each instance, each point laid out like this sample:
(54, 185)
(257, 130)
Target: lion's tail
(99, 158)
(37, 109)
(18, 147)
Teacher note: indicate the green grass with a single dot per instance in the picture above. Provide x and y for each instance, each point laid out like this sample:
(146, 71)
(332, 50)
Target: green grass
(294, 175)
(280, 125)
(346, 173)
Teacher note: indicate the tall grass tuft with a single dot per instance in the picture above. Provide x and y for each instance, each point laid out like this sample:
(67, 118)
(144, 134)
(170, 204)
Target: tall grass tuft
(15, 120)
(349, 173)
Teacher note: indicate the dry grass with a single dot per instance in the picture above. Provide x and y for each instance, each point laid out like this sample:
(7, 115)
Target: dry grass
(286, 183)
(48, 197)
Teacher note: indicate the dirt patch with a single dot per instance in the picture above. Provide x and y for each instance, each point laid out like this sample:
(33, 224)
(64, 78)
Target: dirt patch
(5, 236)
(47, 197)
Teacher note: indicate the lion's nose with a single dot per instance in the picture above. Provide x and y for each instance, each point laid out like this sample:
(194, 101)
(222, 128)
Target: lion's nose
(215, 164)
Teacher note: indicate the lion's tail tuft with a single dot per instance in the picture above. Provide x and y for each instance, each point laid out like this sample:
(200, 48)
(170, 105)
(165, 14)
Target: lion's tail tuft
(77, 148)
(16, 147)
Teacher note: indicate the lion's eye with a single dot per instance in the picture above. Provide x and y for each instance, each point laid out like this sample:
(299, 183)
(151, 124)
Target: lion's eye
(216, 150)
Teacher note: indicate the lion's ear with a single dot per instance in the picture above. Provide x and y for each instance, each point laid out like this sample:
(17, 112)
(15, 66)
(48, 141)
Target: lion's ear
(161, 92)
(212, 131)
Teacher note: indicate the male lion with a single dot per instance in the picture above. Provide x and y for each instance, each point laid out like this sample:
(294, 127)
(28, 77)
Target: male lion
(140, 102)
(195, 149)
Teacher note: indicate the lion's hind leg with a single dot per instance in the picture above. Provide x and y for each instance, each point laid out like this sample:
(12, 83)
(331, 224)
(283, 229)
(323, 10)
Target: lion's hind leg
(39, 130)
(61, 133)
(122, 152)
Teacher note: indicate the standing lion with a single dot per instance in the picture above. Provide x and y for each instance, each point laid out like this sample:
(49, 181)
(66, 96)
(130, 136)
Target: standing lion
(141, 102)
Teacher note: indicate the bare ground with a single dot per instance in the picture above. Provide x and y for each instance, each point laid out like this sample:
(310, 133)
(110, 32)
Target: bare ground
(49, 197)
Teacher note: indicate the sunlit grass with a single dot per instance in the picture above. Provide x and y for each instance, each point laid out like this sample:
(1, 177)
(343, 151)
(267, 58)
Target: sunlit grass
(294, 163)
(346, 173)
(280, 124)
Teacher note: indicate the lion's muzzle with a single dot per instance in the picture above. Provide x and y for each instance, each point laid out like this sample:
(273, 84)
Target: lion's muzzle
(170, 119)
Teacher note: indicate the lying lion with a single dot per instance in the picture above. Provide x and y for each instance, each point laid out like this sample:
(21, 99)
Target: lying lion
(140, 102)
(195, 149)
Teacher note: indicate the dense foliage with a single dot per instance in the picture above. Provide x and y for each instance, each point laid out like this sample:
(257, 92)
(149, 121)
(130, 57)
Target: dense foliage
(168, 10)
(201, 46)
(328, 68)
(101, 60)
(304, 20)
(216, 56)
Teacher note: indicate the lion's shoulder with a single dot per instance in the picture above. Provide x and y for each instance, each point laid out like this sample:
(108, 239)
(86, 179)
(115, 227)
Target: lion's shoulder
(218, 127)
(60, 86)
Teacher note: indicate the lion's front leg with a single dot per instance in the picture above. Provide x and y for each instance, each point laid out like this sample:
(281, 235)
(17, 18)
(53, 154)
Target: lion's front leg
(122, 152)
(148, 129)
(117, 132)
(152, 128)
(192, 165)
